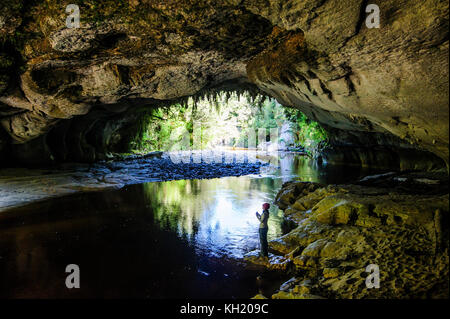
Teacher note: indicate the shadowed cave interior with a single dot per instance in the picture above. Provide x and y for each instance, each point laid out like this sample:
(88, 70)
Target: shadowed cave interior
(73, 101)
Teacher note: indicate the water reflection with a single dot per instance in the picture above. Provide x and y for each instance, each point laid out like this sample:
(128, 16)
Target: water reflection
(217, 216)
(295, 167)
(156, 240)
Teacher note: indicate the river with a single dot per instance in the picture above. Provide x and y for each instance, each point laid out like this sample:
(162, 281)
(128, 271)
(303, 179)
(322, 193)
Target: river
(173, 239)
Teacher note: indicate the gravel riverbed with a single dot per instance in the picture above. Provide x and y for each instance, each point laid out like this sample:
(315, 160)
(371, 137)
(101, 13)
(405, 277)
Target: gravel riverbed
(20, 186)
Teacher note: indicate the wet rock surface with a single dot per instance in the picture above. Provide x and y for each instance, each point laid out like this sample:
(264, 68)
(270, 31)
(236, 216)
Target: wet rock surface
(398, 222)
(272, 262)
(21, 186)
(75, 94)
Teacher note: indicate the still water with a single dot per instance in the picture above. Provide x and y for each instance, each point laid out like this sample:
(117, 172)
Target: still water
(174, 239)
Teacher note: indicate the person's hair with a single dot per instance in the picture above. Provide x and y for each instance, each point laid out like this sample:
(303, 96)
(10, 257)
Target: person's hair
(266, 206)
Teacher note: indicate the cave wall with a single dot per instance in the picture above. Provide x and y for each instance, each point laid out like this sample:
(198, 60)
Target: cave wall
(341, 73)
(376, 150)
(386, 85)
(97, 136)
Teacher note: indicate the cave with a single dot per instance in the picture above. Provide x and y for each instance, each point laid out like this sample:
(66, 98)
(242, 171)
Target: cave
(76, 99)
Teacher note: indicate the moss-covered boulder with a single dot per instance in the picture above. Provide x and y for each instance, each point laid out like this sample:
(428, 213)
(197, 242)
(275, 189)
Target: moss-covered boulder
(350, 227)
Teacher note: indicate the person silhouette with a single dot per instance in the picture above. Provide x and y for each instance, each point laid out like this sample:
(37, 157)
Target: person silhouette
(263, 229)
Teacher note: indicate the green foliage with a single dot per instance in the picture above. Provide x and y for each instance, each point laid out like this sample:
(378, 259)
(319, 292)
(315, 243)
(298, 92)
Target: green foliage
(224, 119)
(11, 5)
(5, 61)
(309, 133)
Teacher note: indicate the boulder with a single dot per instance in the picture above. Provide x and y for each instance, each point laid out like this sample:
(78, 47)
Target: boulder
(350, 227)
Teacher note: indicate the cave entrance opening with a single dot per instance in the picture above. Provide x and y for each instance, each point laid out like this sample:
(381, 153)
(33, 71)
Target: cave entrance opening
(226, 120)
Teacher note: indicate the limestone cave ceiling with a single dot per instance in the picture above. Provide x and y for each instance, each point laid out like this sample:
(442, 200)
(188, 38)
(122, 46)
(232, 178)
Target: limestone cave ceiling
(314, 55)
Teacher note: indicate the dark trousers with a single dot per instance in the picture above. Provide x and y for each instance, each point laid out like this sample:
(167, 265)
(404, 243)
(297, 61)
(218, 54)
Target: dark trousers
(263, 241)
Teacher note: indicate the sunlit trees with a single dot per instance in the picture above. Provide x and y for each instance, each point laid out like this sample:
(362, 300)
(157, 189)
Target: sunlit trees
(225, 120)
